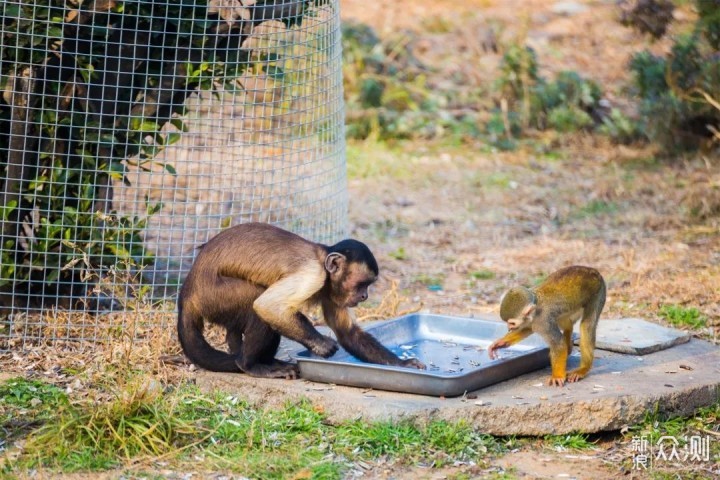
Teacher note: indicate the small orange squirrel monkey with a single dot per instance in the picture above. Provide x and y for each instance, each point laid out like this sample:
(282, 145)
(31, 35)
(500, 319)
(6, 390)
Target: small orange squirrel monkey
(550, 310)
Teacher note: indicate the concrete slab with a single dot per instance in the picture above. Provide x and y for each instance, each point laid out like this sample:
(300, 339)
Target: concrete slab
(619, 391)
(635, 336)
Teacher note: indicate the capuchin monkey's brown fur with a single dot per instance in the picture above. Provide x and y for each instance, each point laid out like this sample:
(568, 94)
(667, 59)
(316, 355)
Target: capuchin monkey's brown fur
(550, 310)
(255, 279)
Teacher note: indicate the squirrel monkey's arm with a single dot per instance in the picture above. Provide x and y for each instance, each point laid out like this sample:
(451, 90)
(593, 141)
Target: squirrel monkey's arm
(510, 338)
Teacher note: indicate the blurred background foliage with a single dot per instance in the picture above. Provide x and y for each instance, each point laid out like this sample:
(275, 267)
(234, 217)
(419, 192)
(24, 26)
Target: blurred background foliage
(391, 94)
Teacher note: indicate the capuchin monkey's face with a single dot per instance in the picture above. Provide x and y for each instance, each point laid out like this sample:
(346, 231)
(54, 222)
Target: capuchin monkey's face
(351, 284)
(356, 285)
(350, 280)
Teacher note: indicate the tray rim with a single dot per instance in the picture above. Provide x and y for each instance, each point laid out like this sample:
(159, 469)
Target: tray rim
(299, 356)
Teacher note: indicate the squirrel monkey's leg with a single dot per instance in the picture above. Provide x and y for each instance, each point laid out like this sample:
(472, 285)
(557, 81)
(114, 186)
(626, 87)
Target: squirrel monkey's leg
(568, 340)
(558, 364)
(558, 357)
(588, 328)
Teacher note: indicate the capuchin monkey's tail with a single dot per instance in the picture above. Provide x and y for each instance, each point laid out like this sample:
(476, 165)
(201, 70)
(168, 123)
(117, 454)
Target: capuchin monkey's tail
(197, 349)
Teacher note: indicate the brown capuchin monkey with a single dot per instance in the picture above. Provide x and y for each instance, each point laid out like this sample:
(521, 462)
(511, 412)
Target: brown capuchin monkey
(254, 279)
(550, 310)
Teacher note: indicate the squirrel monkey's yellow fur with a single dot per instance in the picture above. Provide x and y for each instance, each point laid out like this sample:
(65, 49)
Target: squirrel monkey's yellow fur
(550, 310)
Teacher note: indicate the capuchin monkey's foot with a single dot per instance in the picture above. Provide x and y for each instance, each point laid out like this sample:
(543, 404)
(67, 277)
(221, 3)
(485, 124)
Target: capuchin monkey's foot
(277, 369)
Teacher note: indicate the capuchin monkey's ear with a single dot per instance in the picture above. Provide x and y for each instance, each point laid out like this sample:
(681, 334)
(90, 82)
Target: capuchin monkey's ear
(335, 262)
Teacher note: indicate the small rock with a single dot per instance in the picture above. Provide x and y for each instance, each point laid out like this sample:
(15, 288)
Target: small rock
(568, 8)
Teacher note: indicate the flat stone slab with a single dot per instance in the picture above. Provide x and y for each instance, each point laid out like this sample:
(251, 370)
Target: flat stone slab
(619, 391)
(635, 336)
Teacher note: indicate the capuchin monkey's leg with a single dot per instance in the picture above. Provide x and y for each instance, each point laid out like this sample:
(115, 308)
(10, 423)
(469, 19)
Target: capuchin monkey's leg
(260, 345)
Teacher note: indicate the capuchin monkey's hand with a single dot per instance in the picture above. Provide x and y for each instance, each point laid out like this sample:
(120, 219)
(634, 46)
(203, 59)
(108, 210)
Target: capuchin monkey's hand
(413, 363)
(324, 347)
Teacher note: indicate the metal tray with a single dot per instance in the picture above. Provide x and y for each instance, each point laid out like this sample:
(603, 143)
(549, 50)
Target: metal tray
(453, 348)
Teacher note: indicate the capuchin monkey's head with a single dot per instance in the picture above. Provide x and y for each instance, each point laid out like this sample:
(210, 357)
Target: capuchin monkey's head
(351, 268)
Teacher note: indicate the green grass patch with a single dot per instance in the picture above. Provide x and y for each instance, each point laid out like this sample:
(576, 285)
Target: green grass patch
(440, 441)
(497, 180)
(575, 441)
(683, 317)
(271, 443)
(371, 159)
(26, 403)
(430, 281)
(538, 279)
(704, 423)
(399, 254)
(134, 419)
(656, 425)
(596, 208)
(138, 419)
(482, 275)
(31, 395)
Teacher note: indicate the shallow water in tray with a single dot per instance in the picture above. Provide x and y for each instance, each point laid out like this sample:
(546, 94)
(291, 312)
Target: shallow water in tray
(445, 356)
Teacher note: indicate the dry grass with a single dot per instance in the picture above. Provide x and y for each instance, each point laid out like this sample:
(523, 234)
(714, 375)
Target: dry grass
(84, 350)
(388, 307)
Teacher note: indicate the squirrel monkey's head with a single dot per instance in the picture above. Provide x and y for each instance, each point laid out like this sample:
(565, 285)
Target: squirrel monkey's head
(517, 306)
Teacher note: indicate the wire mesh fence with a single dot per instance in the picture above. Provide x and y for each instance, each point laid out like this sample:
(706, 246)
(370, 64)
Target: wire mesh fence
(133, 131)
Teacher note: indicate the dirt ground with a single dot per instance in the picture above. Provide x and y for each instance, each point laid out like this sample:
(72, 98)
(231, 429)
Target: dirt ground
(520, 215)
(451, 211)
(436, 215)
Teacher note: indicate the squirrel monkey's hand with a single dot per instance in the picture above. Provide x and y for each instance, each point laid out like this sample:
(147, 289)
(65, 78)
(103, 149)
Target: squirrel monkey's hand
(497, 344)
